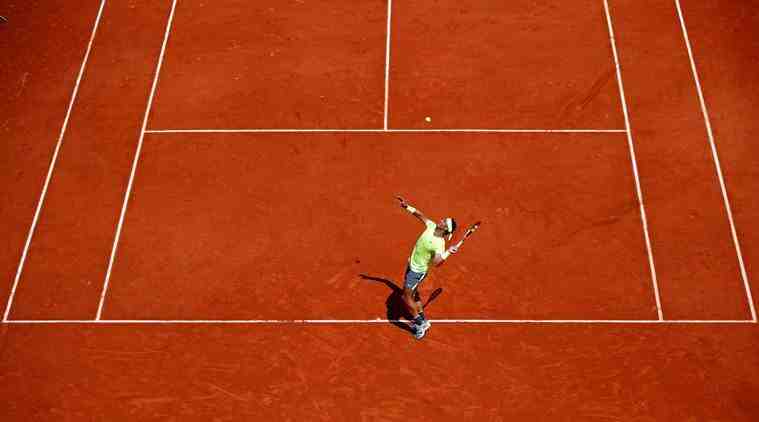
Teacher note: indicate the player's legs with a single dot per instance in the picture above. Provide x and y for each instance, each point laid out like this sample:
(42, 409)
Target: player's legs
(420, 308)
(411, 299)
(418, 301)
(412, 280)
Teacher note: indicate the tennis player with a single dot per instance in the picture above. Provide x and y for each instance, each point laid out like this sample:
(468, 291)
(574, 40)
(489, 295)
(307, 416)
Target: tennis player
(429, 249)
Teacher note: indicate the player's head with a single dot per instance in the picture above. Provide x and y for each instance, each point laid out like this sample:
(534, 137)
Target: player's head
(447, 226)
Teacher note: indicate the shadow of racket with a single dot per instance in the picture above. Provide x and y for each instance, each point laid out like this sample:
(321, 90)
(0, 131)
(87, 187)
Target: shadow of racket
(435, 293)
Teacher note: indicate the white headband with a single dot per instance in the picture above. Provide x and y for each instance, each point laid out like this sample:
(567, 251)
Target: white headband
(449, 227)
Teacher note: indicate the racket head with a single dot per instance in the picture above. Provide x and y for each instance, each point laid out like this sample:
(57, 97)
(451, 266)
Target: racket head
(472, 229)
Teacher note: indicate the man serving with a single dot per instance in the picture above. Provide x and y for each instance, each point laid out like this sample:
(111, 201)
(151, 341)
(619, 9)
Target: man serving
(429, 248)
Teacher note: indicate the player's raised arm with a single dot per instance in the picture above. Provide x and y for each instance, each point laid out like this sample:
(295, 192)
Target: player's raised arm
(413, 211)
(440, 257)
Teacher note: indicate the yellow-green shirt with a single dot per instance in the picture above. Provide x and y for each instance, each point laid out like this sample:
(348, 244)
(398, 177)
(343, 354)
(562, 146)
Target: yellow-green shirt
(426, 247)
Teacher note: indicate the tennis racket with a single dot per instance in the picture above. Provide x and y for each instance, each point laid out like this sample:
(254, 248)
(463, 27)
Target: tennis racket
(473, 228)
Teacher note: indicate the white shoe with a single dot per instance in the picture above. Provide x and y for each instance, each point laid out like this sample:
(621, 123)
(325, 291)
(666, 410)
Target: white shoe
(421, 330)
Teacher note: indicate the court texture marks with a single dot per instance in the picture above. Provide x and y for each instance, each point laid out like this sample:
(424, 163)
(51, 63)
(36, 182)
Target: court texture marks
(199, 221)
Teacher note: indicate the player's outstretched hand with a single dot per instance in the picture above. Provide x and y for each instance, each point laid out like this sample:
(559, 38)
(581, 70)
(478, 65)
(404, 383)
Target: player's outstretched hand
(454, 248)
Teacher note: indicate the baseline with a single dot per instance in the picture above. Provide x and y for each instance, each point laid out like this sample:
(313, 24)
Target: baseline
(377, 321)
(166, 131)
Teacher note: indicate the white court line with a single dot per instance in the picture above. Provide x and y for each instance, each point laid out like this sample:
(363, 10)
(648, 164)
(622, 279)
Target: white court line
(376, 321)
(387, 59)
(53, 161)
(634, 161)
(169, 131)
(134, 163)
(717, 164)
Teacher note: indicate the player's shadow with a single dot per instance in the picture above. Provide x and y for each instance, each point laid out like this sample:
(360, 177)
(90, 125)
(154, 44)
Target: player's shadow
(396, 309)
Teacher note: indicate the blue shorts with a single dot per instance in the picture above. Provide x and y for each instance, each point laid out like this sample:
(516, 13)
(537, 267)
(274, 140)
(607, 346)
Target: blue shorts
(412, 279)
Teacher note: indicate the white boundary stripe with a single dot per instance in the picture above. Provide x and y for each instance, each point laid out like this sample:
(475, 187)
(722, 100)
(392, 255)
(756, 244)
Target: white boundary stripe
(53, 161)
(634, 161)
(717, 165)
(387, 59)
(378, 321)
(134, 163)
(168, 131)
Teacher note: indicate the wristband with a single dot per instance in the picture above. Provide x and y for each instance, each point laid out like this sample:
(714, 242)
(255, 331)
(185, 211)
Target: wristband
(445, 254)
(410, 209)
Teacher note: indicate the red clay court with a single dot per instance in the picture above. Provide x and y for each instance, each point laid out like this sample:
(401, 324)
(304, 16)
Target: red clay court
(198, 217)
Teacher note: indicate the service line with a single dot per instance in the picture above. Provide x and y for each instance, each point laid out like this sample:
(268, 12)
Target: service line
(387, 58)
